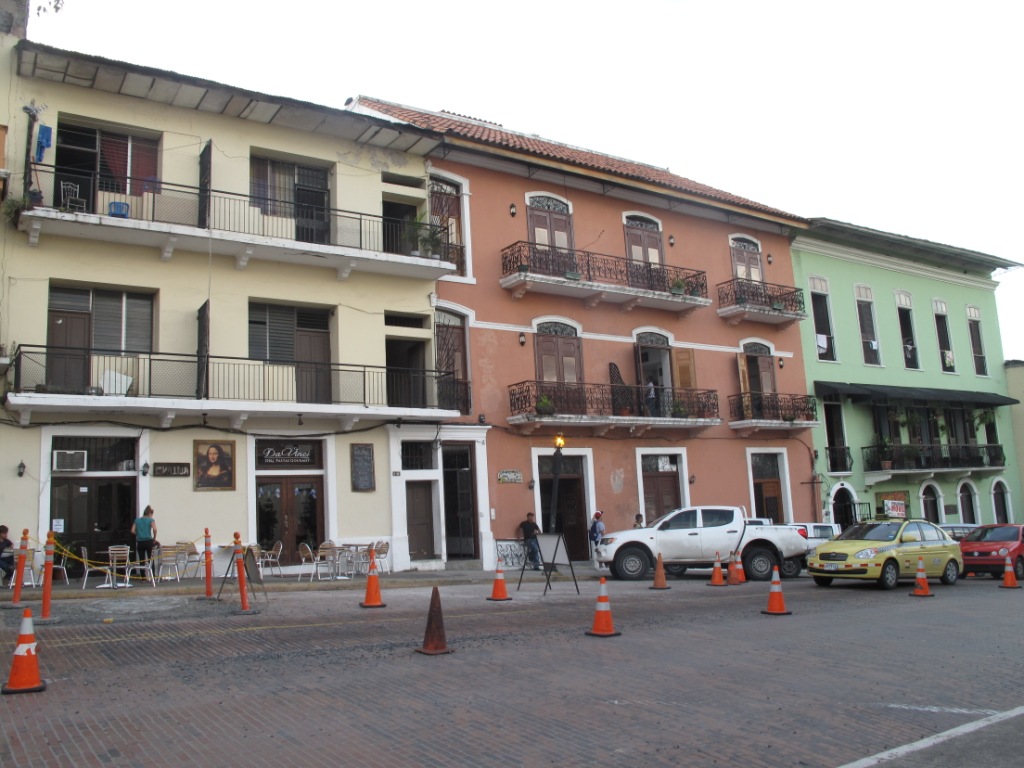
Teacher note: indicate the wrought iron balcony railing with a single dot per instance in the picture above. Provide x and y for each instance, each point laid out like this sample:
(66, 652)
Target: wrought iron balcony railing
(594, 267)
(908, 457)
(767, 297)
(99, 372)
(840, 458)
(772, 406)
(547, 398)
(153, 200)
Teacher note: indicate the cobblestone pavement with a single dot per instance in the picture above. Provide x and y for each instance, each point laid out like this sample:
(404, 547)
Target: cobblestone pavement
(698, 677)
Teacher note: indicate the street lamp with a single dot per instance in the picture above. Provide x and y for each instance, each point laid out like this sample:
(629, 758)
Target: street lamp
(556, 470)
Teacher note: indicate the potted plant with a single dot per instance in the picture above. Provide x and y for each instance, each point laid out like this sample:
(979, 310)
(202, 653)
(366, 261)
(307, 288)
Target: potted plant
(545, 405)
(12, 208)
(431, 238)
(883, 445)
(679, 409)
(678, 286)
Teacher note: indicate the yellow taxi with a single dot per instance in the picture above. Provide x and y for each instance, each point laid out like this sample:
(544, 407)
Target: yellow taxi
(887, 550)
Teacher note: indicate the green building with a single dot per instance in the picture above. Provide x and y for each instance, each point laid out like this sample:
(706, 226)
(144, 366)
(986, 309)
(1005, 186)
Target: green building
(905, 357)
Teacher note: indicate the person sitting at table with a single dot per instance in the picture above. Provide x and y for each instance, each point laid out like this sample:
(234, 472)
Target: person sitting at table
(6, 554)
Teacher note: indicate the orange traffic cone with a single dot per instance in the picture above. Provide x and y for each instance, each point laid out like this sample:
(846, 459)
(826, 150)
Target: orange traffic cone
(776, 603)
(1009, 577)
(921, 582)
(716, 574)
(498, 592)
(736, 575)
(659, 575)
(25, 668)
(372, 599)
(433, 639)
(603, 626)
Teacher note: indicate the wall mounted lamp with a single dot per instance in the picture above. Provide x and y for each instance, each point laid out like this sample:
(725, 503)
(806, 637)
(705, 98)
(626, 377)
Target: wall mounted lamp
(532, 484)
(512, 210)
(782, 363)
(522, 339)
(300, 419)
(671, 241)
(693, 479)
(204, 420)
(481, 419)
(769, 258)
(21, 469)
(145, 469)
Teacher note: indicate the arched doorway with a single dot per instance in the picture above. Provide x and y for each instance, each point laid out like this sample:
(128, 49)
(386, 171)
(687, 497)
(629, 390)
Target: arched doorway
(1001, 502)
(844, 508)
(967, 507)
(930, 503)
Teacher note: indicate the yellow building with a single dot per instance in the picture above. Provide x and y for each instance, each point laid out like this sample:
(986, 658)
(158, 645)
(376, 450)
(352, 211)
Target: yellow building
(221, 304)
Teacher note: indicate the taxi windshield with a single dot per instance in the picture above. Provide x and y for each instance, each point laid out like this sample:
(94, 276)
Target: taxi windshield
(996, 533)
(870, 532)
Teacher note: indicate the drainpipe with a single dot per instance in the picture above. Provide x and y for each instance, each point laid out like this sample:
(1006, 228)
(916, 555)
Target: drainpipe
(32, 117)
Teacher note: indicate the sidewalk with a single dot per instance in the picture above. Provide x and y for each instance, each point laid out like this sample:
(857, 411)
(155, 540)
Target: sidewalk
(584, 571)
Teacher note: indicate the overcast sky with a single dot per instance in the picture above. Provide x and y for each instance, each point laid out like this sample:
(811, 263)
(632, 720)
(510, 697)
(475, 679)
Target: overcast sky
(901, 115)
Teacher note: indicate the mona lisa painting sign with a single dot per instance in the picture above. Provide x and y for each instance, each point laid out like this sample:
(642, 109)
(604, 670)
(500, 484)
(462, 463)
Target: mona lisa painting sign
(214, 465)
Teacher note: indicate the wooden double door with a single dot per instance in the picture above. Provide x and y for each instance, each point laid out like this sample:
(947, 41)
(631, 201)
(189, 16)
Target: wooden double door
(289, 509)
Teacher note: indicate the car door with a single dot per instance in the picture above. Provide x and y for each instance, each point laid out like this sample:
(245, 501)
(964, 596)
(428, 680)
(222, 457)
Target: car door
(679, 537)
(719, 532)
(934, 549)
(910, 547)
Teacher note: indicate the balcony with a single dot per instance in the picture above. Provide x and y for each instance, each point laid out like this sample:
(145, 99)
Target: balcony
(758, 302)
(95, 381)
(840, 459)
(596, 279)
(919, 462)
(753, 411)
(606, 407)
(169, 217)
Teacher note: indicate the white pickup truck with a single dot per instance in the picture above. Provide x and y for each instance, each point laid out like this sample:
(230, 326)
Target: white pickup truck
(692, 537)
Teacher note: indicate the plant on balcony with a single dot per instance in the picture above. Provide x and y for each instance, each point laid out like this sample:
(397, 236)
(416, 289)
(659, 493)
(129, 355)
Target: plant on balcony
(545, 406)
(679, 409)
(984, 417)
(678, 286)
(431, 239)
(12, 208)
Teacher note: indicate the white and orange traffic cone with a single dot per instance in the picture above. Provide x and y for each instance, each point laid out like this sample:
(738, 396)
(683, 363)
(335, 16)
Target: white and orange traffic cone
(24, 676)
(498, 591)
(776, 603)
(921, 582)
(372, 599)
(659, 575)
(1009, 577)
(740, 576)
(716, 573)
(603, 626)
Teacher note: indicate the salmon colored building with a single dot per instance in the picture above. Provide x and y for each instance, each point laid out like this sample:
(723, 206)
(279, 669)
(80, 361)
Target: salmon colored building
(649, 321)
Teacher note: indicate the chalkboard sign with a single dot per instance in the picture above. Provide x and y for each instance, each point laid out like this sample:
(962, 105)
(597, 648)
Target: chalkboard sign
(362, 467)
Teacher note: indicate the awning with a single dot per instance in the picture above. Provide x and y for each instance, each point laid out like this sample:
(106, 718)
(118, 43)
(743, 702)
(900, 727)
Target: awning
(886, 392)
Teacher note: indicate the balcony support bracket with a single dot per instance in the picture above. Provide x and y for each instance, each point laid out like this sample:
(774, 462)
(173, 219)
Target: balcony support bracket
(168, 249)
(344, 270)
(348, 422)
(628, 306)
(592, 301)
(242, 259)
(166, 419)
(34, 230)
(238, 419)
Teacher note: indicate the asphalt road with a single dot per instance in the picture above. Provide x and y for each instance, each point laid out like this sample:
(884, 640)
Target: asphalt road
(699, 676)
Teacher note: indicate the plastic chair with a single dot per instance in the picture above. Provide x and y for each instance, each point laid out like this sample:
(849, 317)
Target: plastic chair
(168, 559)
(28, 579)
(326, 556)
(192, 557)
(120, 556)
(119, 210)
(382, 552)
(60, 563)
(89, 568)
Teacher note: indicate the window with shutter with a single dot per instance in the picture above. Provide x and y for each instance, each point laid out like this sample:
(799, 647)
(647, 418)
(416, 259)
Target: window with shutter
(977, 346)
(868, 337)
(121, 322)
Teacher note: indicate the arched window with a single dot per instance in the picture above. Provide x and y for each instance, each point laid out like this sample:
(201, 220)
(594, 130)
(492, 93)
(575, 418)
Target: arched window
(550, 222)
(643, 240)
(746, 258)
(450, 354)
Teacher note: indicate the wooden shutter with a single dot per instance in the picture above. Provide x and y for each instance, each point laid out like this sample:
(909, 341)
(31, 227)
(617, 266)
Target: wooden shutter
(685, 375)
(138, 322)
(741, 363)
(766, 373)
(106, 320)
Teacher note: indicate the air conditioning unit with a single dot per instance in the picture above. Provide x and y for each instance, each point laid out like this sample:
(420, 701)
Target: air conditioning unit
(70, 461)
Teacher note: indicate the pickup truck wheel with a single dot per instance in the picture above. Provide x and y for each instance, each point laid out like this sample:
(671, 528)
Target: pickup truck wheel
(758, 563)
(613, 570)
(679, 570)
(823, 581)
(950, 573)
(632, 563)
(890, 575)
(790, 568)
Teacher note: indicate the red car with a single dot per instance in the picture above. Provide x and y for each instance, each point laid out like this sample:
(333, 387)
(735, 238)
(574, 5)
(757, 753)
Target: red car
(986, 548)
